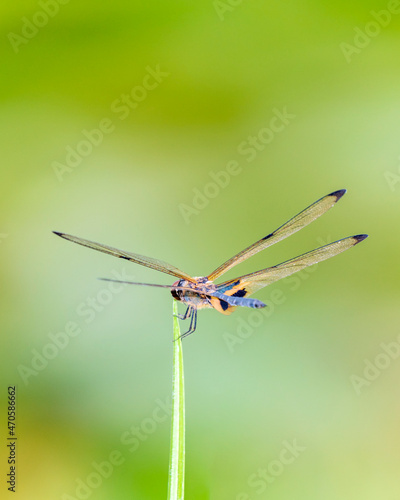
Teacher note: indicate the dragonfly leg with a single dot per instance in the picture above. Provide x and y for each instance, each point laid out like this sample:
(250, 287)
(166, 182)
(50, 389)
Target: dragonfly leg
(186, 315)
(193, 323)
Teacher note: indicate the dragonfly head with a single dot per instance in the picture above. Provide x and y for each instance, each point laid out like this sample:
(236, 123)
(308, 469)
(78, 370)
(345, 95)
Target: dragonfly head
(177, 294)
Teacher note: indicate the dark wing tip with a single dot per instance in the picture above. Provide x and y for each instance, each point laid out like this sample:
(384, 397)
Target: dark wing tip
(360, 237)
(58, 234)
(338, 194)
(268, 236)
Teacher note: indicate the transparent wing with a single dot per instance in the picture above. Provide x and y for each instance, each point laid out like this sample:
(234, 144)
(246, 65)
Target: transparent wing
(155, 285)
(158, 265)
(250, 283)
(293, 225)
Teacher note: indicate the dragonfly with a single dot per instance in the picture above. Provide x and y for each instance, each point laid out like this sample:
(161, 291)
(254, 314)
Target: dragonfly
(202, 293)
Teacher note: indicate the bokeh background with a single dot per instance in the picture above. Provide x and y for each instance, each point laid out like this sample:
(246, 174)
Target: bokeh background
(202, 79)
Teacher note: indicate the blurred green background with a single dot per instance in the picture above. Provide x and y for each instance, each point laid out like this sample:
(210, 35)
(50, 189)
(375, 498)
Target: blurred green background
(200, 80)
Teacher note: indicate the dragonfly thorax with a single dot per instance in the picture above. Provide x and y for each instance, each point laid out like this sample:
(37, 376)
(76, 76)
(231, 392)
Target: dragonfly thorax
(195, 298)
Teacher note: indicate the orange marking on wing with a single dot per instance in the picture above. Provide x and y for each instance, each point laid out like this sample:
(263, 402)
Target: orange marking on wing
(217, 304)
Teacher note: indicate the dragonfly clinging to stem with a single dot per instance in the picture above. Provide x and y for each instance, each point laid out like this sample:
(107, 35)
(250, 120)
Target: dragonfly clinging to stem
(201, 292)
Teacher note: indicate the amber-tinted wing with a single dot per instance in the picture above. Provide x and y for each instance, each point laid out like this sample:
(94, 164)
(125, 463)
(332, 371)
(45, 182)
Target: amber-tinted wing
(158, 265)
(250, 283)
(293, 225)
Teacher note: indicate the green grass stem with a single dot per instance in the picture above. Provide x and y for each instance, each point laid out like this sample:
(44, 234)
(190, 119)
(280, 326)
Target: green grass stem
(176, 476)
